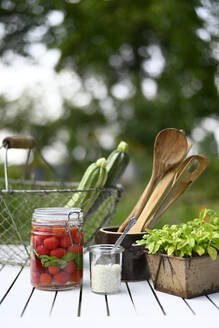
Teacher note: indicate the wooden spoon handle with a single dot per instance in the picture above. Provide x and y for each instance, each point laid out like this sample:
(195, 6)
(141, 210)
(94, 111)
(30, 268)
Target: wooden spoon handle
(173, 175)
(183, 167)
(153, 200)
(182, 184)
(139, 206)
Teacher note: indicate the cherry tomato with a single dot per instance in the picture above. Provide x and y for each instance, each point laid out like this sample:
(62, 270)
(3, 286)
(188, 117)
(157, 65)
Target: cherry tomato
(36, 241)
(76, 236)
(70, 267)
(45, 279)
(61, 277)
(77, 276)
(51, 242)
(76, 249)
(65, 241)
(53, 269)
(58, 252)
(42, 250)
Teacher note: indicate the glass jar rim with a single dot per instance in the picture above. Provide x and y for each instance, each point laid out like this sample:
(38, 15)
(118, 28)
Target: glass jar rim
(105, 249)
(57, 216)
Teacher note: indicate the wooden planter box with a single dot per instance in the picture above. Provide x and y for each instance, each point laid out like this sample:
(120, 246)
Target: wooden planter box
(184, 277)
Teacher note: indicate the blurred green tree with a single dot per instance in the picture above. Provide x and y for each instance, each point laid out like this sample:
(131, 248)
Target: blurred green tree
(147, 65)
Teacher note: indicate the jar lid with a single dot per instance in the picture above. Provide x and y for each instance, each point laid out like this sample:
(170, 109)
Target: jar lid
(57, 216)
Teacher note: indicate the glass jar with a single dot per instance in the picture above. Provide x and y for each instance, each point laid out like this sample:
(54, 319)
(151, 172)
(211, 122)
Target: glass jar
(105, 268)
(56, 261)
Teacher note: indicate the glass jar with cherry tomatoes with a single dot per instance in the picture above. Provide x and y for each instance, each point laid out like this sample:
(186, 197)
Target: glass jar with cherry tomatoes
(56, 261)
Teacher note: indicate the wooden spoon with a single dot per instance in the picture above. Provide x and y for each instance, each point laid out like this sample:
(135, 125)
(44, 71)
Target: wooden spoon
(170, 148)
(172, 175)
(183, 182)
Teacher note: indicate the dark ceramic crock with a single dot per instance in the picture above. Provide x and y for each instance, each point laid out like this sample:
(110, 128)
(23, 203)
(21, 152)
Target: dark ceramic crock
(134, 263)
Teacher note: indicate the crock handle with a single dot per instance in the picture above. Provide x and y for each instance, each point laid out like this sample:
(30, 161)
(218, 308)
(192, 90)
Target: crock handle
(138, 249)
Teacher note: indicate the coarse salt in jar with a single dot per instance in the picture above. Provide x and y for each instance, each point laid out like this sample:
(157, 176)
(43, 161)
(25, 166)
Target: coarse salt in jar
(105, 268)
(56, 261)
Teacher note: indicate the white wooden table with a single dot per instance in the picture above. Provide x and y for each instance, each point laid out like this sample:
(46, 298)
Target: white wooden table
(137, 304)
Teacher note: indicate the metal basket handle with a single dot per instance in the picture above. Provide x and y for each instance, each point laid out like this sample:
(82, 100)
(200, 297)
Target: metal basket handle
(16, 142)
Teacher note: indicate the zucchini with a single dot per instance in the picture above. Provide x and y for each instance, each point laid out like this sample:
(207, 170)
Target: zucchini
(94, 177)
(117, 162)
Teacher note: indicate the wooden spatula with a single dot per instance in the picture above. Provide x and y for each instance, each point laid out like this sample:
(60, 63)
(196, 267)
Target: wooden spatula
(182, 183)
(172, 176)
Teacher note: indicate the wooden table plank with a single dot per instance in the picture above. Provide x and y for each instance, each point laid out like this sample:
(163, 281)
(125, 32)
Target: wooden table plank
(121, 304)
(8, 274)
(18, 295)
(202, 306)
(214, 298)
(40, 303)
(66, 304)
(165, 322)
(144, 300)
(92, 305)
(172, 305)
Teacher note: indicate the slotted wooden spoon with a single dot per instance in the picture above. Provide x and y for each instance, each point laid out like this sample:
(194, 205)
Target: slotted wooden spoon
(184, 180)
(170, 148)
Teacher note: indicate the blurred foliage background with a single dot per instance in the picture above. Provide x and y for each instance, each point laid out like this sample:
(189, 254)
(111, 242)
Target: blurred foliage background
(123, 70)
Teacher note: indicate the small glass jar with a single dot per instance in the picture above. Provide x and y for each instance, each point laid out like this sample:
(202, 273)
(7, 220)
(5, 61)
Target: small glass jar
(105, 268)
(56, 261)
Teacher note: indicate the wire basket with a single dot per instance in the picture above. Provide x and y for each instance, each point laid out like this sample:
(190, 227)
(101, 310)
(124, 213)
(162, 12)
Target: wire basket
(19, 198)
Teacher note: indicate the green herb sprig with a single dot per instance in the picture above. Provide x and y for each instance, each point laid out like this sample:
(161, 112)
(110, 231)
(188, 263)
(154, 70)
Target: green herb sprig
(47, 260)
(194, 238)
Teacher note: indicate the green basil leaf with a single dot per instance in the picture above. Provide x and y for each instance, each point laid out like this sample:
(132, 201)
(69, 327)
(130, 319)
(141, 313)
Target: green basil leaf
(170, 250)
(69, 256)
(212, 252)
(50, 260)
(216, 243)
(199, 250)
(191, 241)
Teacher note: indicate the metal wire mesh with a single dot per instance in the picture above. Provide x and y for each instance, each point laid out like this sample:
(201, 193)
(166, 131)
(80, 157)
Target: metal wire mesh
(17, 206)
